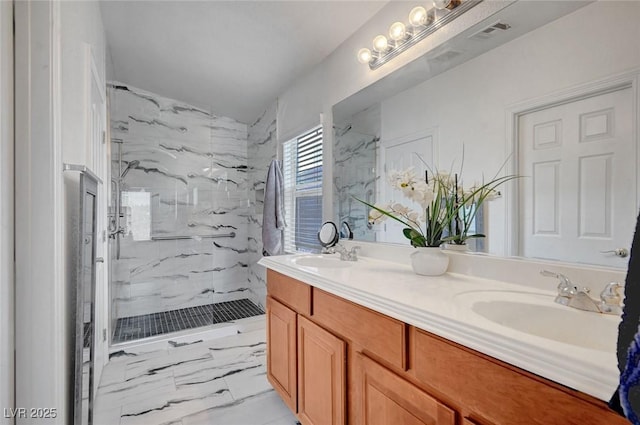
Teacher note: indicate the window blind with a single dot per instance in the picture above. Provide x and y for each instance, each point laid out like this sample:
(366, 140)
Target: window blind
(302, 172)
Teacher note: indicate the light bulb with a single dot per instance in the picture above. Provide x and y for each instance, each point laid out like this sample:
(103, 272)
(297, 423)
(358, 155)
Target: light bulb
(364, 55)
(397, 31)
(380, 44)
(441, 4)
(418, 16)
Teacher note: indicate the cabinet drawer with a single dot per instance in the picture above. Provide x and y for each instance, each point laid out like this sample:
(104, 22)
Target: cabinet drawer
(378, 334)
(385, 398)
(498, 392)
(289, 291)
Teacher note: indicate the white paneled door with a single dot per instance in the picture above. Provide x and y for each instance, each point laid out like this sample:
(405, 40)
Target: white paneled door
(399, 154)
(578, 196)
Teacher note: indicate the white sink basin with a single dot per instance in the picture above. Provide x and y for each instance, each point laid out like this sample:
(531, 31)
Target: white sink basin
(537, 314)
(321, 262)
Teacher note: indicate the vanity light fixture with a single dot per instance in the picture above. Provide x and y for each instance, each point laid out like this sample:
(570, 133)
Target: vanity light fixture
(364, 55)
(446, 4)
(397, 32)
(422, 22)
(380, 44)
(418, 17)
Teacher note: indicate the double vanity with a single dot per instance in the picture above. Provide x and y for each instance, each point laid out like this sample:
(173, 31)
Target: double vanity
(370, 342)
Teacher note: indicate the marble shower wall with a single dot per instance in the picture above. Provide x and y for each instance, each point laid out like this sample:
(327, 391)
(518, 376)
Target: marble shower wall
(356, 145)
(192, 179)
(262, 150)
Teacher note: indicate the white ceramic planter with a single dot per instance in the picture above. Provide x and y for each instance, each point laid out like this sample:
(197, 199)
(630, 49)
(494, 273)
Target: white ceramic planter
(458, 248)
(429, 261)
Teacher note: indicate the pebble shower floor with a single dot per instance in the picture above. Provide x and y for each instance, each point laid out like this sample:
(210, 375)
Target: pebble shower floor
(147, 325)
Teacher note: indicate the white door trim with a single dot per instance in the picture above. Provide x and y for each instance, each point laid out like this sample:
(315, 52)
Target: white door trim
(43, 342)
(7, 289)
(627, 79)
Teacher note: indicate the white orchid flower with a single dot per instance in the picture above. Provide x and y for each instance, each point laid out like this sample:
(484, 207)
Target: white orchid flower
(376, 216)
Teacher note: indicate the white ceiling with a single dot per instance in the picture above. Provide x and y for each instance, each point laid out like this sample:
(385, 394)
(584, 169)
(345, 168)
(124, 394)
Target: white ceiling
(234, 57)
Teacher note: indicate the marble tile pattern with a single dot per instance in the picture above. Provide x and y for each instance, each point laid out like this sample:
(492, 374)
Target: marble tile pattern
(262, 150)
(356, 144)
(195, 167)
(220, 381)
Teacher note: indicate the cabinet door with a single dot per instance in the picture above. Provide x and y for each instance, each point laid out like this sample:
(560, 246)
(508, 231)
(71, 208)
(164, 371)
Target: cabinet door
(469, 421)
(281, 351)
(386, 398)
(321, 373)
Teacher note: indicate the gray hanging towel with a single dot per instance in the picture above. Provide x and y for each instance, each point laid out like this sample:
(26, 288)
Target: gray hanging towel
(273, 223)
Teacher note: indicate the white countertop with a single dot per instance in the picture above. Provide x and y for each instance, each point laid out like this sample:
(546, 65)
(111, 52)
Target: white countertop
(443, 305)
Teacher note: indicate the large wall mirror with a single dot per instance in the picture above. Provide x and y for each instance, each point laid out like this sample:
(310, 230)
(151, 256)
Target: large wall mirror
(555, 95)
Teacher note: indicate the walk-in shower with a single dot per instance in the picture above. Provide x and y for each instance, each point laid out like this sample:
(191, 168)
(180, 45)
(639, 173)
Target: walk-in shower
(115, 214)
(354, 173)
(179, 217)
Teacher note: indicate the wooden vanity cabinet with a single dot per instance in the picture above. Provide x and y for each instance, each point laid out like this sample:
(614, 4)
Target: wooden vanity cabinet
(321, 375)
(335, 362)
(282, 351)
(306, 364)
(500, 393)
(386, 398)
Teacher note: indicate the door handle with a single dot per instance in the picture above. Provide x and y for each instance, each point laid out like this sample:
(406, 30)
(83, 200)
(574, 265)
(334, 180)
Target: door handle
(620, 252)
(99, 260)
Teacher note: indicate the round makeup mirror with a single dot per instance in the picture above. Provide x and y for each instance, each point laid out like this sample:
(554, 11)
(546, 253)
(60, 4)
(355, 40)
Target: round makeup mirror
(328, 234)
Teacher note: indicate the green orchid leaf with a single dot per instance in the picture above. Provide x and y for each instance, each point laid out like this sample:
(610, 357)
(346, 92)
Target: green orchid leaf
(415, 237)
(451, 238)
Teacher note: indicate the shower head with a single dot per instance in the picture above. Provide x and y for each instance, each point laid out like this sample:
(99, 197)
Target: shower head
(130, 165)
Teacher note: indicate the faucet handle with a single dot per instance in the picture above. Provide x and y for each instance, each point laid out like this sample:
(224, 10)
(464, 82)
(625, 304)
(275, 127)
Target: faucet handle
(553, 274)
(565, 287)
(611, 293)
(353, 253)
(611, 299)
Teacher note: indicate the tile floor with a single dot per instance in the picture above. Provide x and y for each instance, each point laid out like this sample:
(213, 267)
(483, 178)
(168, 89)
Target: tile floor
(216, 382)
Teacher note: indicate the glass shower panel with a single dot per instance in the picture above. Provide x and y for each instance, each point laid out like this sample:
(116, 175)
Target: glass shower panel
(184, 216)
(354, 175)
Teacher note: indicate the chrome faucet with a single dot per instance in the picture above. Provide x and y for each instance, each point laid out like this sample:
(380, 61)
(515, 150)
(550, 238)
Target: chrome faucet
(571, 296)
(610, 298)
(566, 290)
(346, 255)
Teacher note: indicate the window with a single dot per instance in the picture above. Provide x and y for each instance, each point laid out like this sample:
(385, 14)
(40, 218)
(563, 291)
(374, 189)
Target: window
(302, 172)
